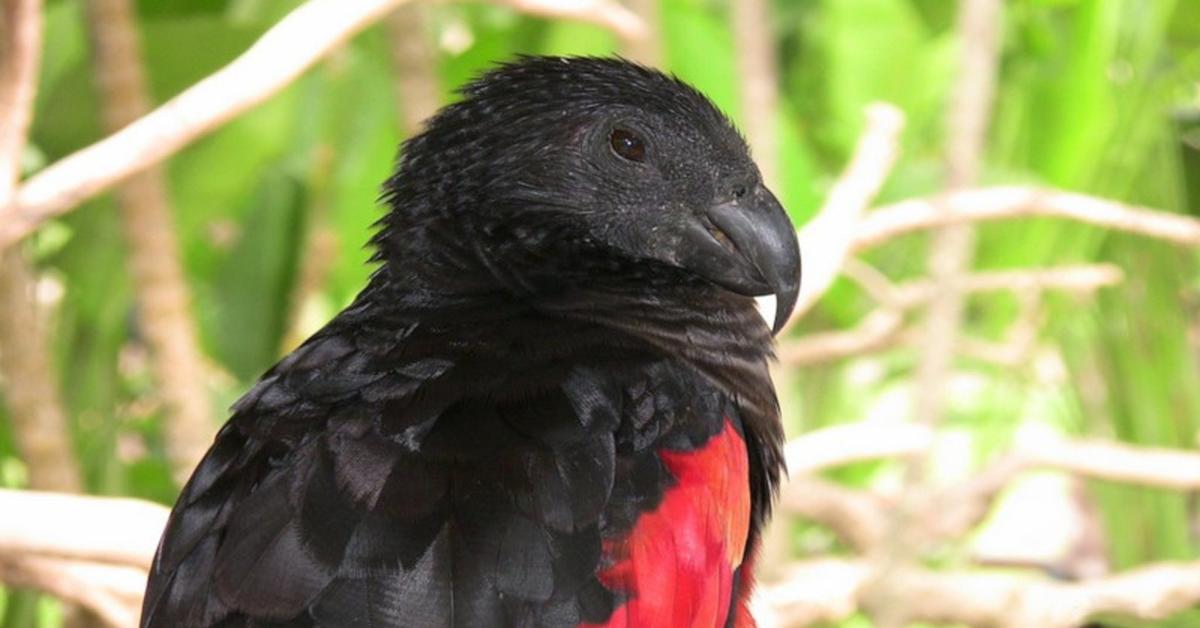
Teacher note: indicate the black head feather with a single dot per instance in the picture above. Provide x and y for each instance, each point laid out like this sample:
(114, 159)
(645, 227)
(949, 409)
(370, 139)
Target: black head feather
(552, 171)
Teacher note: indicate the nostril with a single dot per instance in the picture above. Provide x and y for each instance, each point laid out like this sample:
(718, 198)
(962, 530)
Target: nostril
(740, 191)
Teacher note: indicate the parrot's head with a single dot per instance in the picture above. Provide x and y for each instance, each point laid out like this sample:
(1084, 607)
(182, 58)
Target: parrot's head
(569, 169)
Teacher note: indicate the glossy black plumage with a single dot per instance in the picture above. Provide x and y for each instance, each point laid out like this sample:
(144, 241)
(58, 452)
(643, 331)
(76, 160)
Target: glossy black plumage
(455, 447)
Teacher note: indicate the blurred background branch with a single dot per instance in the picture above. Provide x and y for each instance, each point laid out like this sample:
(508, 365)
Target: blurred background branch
(949, 258)
(1000, 203)
(274, 61)
(827, 238)
(282, 54)
(27, 377)
(163, 296)
(30, 390)
(827, 590)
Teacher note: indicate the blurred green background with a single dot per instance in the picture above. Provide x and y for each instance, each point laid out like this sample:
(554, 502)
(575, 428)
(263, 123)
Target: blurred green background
(1096, 96)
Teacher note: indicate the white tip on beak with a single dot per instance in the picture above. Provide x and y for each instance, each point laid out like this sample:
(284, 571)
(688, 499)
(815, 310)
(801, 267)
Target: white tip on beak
(766, 308)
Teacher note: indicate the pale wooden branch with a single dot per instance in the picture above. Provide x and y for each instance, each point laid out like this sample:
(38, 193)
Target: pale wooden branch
(646, 49)
(811, 591)
(605, 13)
(1076, 278)
(950, 512)
(162, 292)
(1116, 462)
(275, 60)
(856, 517)
(38, 419)
(414, 66)
(1020, 341)
(954, 511)
(21, 28)
(26, 373)
(1006, 202)
(278, 57)
(847, 443)
(952, 249)
(879, 330)
(830, 590)
(876, 284)
(884, 224)
(112, 592)
(758, 82)
(39, 422)
(119, 531)
(841, 228)
(885, 327)
(92, 551)
(826, 241)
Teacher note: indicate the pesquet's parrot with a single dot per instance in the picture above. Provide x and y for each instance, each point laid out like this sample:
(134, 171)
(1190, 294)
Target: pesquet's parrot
(550, 406)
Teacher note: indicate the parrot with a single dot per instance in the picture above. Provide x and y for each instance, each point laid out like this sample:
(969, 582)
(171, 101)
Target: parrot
(550, 406)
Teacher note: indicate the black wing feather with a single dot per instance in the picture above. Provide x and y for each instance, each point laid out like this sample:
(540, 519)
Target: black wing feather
(393, 493)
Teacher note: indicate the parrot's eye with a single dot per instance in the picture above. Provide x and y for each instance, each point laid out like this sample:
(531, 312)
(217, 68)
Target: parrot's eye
(627, 145)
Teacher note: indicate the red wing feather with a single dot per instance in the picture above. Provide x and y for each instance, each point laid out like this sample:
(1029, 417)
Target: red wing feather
(677, 566)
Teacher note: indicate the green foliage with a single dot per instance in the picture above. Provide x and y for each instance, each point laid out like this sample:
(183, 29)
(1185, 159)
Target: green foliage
(1097, 96)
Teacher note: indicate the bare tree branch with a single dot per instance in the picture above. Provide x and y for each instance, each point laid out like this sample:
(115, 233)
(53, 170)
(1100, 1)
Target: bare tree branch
(92, 551)
(606, 13)
(275, 60)
(879, 330)
(841, 228)
(284, 52)
(825, 245)
(829, 590)
(954, 511)
(812, 591)
(1079, 278)
(119, 531)
(952, 248)
(112, 592)
(856, 517)
(1020, 340)
(39, 422)
(827, 239)
(999, 203)
(163, 295)
(1158, 467)
(646, 49)
(885, 327)
(950, 512)
(848, 443)
(414, 65)
(758, 80)
(22, 44)
(30, 385)
(882, 225)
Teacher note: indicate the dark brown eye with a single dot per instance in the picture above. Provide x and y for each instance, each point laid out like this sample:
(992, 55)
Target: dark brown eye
(627, 145)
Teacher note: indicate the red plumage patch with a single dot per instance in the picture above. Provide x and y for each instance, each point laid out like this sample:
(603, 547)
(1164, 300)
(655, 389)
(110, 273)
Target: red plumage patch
(677, 565)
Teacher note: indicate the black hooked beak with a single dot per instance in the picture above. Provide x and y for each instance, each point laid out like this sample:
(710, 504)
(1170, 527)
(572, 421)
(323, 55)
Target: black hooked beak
(748, 246)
